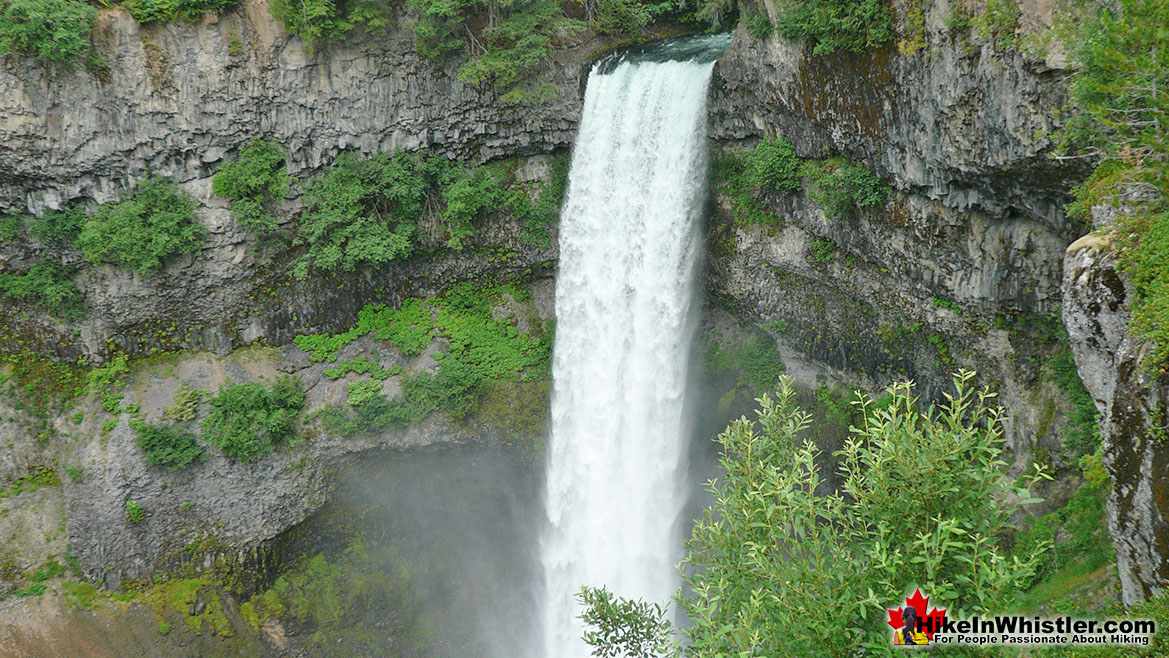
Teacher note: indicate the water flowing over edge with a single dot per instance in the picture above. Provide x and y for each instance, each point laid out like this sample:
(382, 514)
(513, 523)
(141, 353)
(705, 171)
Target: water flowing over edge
(626, 318)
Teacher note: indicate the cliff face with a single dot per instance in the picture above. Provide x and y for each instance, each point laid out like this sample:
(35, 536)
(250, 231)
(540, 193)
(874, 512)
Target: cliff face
(965, 260)
(1132, 404)
(177, 100)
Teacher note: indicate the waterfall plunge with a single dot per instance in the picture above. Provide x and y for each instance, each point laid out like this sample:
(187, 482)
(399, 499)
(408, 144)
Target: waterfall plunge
(625, 309)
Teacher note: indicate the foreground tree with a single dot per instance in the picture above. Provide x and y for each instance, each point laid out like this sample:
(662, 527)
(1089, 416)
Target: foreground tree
(780, 567)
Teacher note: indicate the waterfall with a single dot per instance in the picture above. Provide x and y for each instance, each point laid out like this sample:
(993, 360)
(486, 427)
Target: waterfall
(626, 316)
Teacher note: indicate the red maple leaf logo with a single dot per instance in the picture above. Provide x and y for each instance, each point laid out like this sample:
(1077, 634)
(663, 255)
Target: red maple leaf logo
(928, 623)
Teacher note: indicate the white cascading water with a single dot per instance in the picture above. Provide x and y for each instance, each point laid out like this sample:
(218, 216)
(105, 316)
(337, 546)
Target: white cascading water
(625, 300)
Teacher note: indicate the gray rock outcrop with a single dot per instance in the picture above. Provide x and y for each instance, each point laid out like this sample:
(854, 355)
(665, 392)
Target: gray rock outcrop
(1132, 402)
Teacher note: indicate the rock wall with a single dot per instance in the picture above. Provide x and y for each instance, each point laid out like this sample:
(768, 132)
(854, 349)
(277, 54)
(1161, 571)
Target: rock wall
(965, 258)
(1132, 404)
(178, 99)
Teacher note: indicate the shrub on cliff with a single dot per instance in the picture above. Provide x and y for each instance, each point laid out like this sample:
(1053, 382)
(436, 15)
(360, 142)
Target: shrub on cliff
(165, 11)
(369, 212)
(364, 212)
(167, 445)
(782, 566)
(1122, 58)
(842, 188)
(254, 182)
(51, 30)
(508, 52)
(47, 284)
(834, 25)
(772, 166)
(139, 232)
(320, 21)
(246, 421)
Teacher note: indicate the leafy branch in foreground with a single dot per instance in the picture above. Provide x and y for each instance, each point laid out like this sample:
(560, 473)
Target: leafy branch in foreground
(921, 501)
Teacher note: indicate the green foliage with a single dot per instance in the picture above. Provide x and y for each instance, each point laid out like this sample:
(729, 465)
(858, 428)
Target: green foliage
(51, 286)
(184, 405)
(47, 571)
(842, 188)
(834, 25)
(1076, 533)
(107, 382)
(55, 31)
(57, 228)
(921, 501)
(365, 212)
(1081, 432)
(166, 11)
(947, 304)
(620, 627)
(823, 250)
(75, 473)
(771, 167)
(9, 226)
(997, 22)
(334, 601)
(623, 16)
(142, 230)
(510, 49)
(482, 349)
(1122, 53)
(35, 589)
(320, 21)
(914, 28)
(134, 512)
(408, 328)
(362, 391)
(362, 366)
(756, 359)
(760, 27)
(247, 420)
(167, 445)
(254, 182)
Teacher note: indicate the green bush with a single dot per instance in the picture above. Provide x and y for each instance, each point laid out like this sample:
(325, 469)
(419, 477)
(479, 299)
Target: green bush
(320, 21)
(905, 513)
(167, 445)
(842, 188)
(362, 366)
(996, 23)
(51, 286)
(760, 27)
(9, 226)
(134, 512)
(623, 16)
(823, 250)
(1075, 533)
(52, 30)
(156, 221)
(834, 25)
(482, 350)
(772, 166)
(365, 212)
(246, 421)
(1081, 432)
(254, 182)
(1122, 57)
(57, 228)
(756, 359)
(166, 11)
(509, 50)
